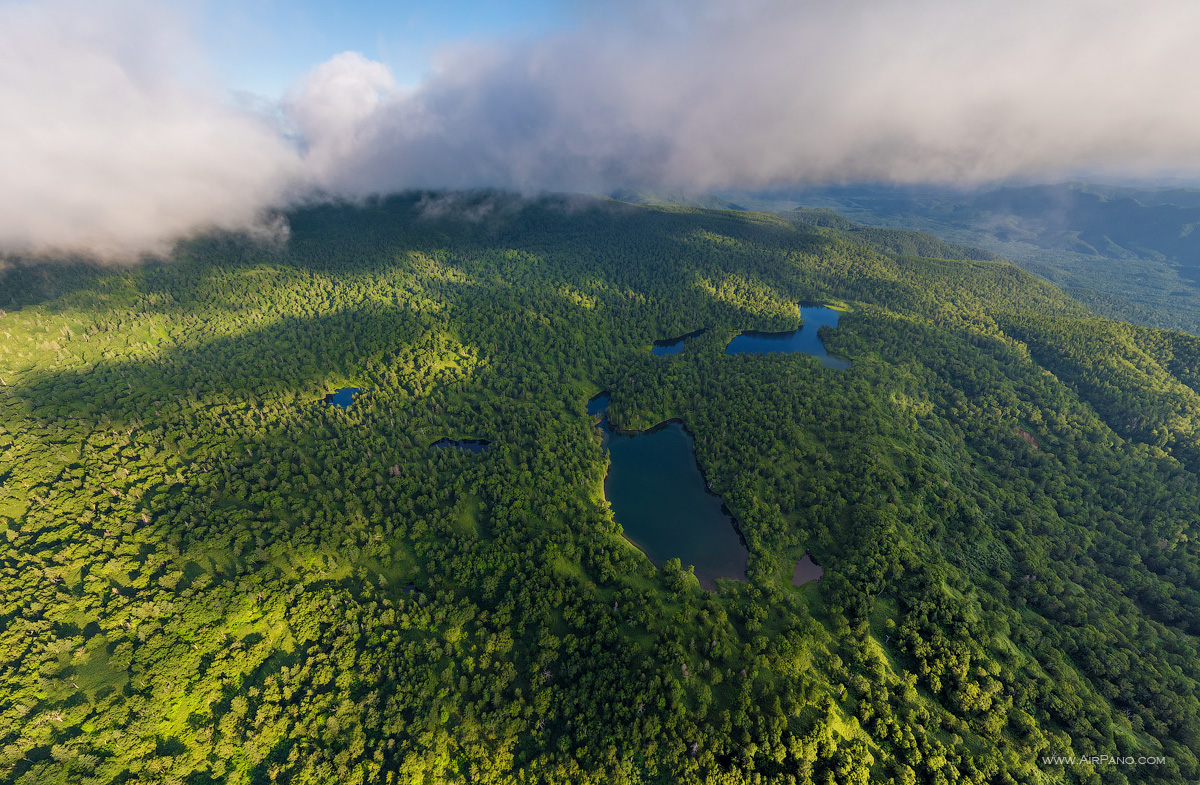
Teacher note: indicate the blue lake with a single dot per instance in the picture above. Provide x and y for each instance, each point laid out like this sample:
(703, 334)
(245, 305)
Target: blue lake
(470, 445)
(597, 405)
(662, 502)
(343, 397)
(803, 339)
(669, 346)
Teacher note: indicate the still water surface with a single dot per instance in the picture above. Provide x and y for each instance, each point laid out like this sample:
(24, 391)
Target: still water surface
(803, 339)
(470, 445)
(669, 346)
(806, 570)
(662, 502)
(343, 397)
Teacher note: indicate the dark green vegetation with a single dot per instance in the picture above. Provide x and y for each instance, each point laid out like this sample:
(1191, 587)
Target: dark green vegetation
(208, 574)
(1128, 253)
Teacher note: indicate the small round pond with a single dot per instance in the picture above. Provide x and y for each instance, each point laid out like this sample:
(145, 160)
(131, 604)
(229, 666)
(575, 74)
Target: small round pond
(806, 570)
(343, 397)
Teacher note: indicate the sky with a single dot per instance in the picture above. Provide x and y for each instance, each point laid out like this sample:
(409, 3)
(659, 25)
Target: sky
(127, 124)
(262, 46)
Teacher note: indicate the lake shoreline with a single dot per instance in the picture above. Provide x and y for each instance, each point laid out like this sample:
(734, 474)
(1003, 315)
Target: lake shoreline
(667, 347)
(605, 426)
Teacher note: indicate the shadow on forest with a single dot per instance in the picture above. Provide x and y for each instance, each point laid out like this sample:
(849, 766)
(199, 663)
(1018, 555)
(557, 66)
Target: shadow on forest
(26, 282)
(580, 232)
(293, 354)
(333, 238)
(288, 361)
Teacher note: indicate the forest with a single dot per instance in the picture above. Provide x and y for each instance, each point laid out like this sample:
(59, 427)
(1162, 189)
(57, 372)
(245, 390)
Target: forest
(1125, 252)
(210, 575)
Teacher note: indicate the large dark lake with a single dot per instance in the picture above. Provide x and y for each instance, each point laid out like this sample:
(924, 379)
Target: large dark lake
(659, 497)
(803, 339)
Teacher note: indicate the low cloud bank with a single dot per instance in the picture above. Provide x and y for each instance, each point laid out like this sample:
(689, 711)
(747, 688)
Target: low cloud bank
(111, 142)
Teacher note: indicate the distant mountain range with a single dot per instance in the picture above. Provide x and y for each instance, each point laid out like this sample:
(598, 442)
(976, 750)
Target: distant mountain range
(1127, 253)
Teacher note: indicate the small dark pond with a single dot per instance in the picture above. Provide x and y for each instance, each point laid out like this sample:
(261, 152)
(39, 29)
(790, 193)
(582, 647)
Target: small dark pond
(806, 570)
(662, 502)
(669, 346)
(598, 404)
(343, 397)
(470, 445)
(803, 339)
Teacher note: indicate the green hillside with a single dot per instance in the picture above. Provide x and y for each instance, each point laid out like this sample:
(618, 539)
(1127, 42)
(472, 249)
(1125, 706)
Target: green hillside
(1128, 253)
(209, 575)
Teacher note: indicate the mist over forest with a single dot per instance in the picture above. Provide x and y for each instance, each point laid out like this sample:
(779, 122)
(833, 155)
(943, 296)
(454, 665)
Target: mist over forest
(119, 138)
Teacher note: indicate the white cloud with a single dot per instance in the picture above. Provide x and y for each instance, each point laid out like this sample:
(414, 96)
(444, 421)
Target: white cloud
(334, 106)
(703, 95)
(110, 140)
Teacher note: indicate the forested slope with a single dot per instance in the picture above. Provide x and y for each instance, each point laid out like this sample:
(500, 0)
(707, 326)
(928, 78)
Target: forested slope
(209, 575)
(1129, 253)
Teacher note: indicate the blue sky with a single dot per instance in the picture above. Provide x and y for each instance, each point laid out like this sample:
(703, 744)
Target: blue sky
(264, 46)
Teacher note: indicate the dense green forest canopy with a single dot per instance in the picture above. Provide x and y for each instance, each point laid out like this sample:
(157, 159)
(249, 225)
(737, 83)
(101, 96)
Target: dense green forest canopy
(1129, 253)
(207, 574)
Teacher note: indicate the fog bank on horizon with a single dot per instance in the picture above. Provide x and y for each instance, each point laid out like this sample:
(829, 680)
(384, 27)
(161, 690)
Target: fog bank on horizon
(113, 141)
